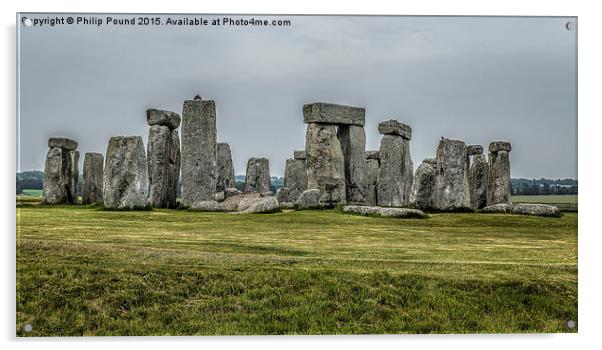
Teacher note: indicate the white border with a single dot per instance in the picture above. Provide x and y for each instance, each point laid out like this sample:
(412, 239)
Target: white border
(590, 60)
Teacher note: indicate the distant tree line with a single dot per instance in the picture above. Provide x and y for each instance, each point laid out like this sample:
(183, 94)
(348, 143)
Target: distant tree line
(543, 186)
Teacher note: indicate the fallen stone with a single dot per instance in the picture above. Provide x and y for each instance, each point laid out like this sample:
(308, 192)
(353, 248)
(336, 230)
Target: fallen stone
(62, 142)
(231, 191)
(261, 205)
(162, 117)
(497, 146)
(125, 180)
(208, 206)
(300, 154)
(472, 150)
(258, 175)
(497, 208)
(287, 205)
(353, 144)
(384, 212)
(231, 203)
(394, 127)
(536, 209)
(219, 196)
(423, 186)
(92, 178)
(225, 167)
(330, 113)
(309, 199)
(451, 180)
(199, 151)
(325, 164)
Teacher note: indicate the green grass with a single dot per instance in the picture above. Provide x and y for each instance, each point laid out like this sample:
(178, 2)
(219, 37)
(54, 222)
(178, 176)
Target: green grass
(84, 271)
(33, 193)
(567, 198)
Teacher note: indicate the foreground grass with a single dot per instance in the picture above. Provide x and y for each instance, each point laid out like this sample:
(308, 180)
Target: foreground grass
(83, 271)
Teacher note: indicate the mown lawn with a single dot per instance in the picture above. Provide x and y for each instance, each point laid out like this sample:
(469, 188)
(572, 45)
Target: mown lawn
(553, 198)
(84, 271)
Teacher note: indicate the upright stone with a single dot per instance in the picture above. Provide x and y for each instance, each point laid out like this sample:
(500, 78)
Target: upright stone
(353, 145)
(325, 163)
(498, 189)
(451, 184)
(92, 178)
(175, 160)
(161, 194)
(477, 179)
(199, 151)
(391, 174)
(423, 186)
(125, 180)
(409, 172)
(258, 175)
(61, 171)
(295, 179)
(372, 165)
(225, 167)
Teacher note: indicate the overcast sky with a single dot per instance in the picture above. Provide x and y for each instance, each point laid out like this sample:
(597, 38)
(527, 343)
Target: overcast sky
(474, 79)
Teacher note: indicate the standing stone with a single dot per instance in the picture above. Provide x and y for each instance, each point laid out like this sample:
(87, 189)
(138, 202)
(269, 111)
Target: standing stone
(199, 151)
(353, 145)
(409, 172)
(125, 180)
(92, 178)
(174, 169)
(477, 179)
(498, 189)
(451, 184)
(372, 165)
(61, 171)
(423, 186)
(225, 167)
(391, 174)
(325, 164)
(258, 175)
(163, 166)
(295, 180)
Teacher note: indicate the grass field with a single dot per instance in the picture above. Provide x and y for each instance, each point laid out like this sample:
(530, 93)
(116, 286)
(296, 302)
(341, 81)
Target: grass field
(85, 271)
(33, 193)
(568, 198)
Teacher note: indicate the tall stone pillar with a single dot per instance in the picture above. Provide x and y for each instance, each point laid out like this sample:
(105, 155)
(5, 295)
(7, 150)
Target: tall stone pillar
(258, 175)
(372, 165)
(295, 178)
(498, 189)
(163, 157)
(92, 178)
(61, 171)
(451, 184)
(225, 167)
(353, 145)
(477, 177)
(199, 151)
(396, 170)
(423, 185)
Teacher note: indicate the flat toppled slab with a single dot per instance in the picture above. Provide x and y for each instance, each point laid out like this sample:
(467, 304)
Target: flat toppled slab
(524, 209)
(384, 212)
(497, 208)
(330, 113)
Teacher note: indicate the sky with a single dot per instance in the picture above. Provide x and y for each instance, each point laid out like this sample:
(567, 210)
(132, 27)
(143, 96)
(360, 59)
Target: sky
(476, 79)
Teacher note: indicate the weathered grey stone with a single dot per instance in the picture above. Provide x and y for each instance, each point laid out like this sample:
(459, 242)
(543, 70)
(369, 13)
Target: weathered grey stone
(92, 178)
(472, 150)
(199, 151)
(163, 166)
(232, 191)
(536, 209)
(219, 196)
(295, 179)
(477, 179)
(431, 161)
(325, 163)
(496, 146)
(125, 180)
(423, 186)
(498, 189)
(300, 154)
(309, 199)
(225, 167)
(330, 113)
(282, 195)
(451, 181)
(62, 142)
(259, 205)
(208, 206)
(372, 166)
(497, 208)
(384, 212)
(353, 144)
(409, 172)
(58, 177)
(287, 205)
(231, 203)
(394, 127)
(162, 117)
(258, 175)
(391, 180)
(74, 154)
(372, 155)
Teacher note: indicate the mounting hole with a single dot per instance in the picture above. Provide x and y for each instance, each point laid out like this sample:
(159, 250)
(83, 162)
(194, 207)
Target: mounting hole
(570, 25)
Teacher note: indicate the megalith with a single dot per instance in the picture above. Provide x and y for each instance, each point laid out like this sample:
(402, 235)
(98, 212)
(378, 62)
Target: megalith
(423, 185)
(199, 151)
(61, 171)
(372, 165)
(330, 113)
(451, 183)
(125, 179)
(477, 178)
(163, 157)
(396, 169)
(225, 167)
(295, 179)
(498, 189)
(258, 175)
(353, 145)
(92, 178)
(325, 164)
